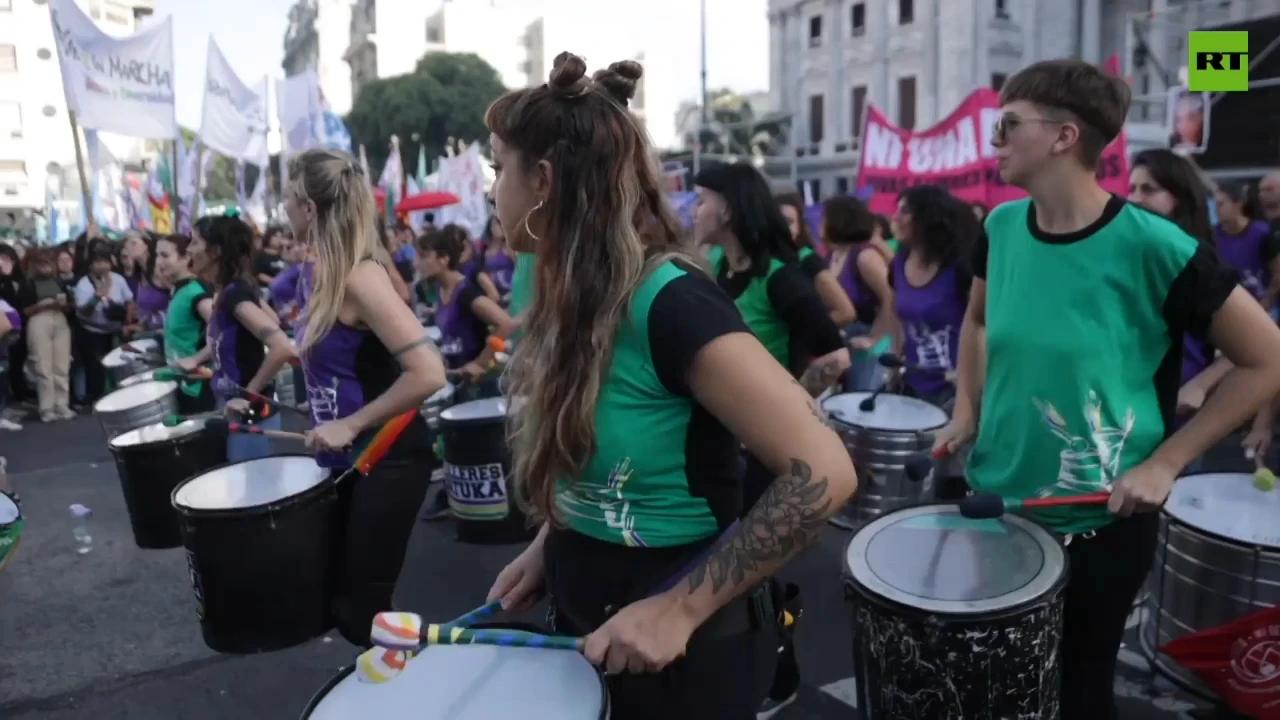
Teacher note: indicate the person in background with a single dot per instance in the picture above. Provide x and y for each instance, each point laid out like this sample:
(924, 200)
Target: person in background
(1269, 200)
(186, 322)
(151, 297)
(133, 256)
(382, 253)
(426, 292)
(10, 330)
(269, 261)
(499, 260)
(1247, 245)
(813, 264)
(247, 347)
(102, 300)
(283, 291)
(403, 253)
(12, 280)
(45, 304)
(67, 264)
(848, 227)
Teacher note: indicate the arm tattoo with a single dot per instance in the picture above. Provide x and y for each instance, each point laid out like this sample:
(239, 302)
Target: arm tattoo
(424, 340)
(818, 413)
(819, 377)
(788, 518)
(266, 332)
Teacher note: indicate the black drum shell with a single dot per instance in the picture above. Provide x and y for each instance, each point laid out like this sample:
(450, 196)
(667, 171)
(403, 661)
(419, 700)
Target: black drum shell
(264, 576)
(526, 627)
(150, 472)
(480, 442)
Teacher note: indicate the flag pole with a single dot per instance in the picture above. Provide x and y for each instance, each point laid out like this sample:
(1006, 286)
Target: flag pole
(195, 199)
(85, 192)
(174, 203)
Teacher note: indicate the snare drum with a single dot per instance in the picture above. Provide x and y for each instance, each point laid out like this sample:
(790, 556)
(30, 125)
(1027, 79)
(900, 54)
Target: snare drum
(121, 364)
(884, 443)
(151, 461)
(956, 618)
(1218, 560)
(472, 682)
(139, 405)
(259, 537)
(477, 469)
(11, 525)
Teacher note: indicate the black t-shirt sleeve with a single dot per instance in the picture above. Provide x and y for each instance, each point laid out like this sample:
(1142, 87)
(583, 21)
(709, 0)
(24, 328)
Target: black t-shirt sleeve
(797, 303)
(687, 314)
(978, 259)
(241, 291)
(812, 264)
(468, 295)
(1271, 247)
(1197, 293)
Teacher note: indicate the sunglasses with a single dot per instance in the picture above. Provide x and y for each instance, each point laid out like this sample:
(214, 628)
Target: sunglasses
(1007, 124)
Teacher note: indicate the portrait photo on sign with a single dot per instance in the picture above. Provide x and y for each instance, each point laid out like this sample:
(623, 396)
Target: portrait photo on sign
(1188, 120)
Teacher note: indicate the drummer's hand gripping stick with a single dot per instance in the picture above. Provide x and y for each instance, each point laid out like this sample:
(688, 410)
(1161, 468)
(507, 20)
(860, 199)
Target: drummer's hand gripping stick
(499, 361)
(990, 505)
(380, 444)
(396, 637)
(236, 428)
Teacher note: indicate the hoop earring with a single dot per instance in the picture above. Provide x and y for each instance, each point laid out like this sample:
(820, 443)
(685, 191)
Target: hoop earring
(526, 221)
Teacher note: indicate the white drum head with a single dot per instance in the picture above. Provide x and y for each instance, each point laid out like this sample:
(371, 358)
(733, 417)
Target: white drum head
(127, 398)
(434, 334)
(1227, 505)
(8, 510)
(116, 357)
(475, 682)
(250, 484)
(158, 432)
(441, 395)
(892, 413)
(139, 378)
(485, 409)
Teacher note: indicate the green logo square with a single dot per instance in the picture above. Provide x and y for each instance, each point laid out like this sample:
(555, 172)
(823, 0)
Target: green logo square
(1218, 61)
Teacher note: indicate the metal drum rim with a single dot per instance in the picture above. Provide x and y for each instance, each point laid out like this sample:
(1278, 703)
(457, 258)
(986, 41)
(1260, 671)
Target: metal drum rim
(253, 510)
(1164, 511)
(1045, 584)
(345, 672)
(864, 428)
(173, 387)
(143, 344)
(7, 501)
(448, 423)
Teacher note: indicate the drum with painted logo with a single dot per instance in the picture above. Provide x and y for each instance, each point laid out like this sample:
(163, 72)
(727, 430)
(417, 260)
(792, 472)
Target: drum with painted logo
(890, 447)
(477, 473)
(136, 406)
(259, 538)
(132, 358)
(1218, 559)
(954, 617)
(11, 525)
(472, 682)
(151, 461)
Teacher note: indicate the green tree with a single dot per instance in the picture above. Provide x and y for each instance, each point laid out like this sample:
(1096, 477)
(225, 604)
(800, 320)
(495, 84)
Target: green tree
(444, 97)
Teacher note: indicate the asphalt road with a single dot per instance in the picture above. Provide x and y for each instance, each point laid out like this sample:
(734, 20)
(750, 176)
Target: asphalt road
(113, 634)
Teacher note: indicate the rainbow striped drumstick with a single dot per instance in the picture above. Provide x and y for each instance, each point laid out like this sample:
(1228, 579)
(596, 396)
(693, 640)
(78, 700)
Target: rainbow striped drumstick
(480, 614)
(403, 630)
(445, 635)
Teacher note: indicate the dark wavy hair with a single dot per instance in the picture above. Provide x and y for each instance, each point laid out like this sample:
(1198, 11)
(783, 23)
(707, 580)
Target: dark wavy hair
(1179, 178)
(447, 244)
(943, 228)
(847, 221)
(795, 201)
(233, 240)
(754, 216)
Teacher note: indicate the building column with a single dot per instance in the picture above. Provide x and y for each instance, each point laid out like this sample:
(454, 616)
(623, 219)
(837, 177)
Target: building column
(1091, 31)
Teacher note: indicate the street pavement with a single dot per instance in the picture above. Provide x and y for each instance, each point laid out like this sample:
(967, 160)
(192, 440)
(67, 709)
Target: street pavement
(112, 635)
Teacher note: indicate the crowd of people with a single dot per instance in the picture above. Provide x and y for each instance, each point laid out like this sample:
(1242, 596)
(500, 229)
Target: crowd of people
(669, 442)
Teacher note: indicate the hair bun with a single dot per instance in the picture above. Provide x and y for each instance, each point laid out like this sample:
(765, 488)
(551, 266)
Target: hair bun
(620, 79)
(569, 76)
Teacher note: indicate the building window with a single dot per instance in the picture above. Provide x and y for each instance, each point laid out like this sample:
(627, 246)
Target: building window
(1002, 9)
(858, 103)
(907, 102)
(906, 12)
(8, 59)
(13, 167)
(997, 81)
(815, 31)
(815, 118)
(842, 186)
(858, 18)
(10, 120)
(6, 5)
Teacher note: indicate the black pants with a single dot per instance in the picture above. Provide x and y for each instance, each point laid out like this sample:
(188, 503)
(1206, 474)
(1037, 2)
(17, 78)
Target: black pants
(379, 512)
(93, 348)
(728, 663)
(19, 389)
(1107, 570)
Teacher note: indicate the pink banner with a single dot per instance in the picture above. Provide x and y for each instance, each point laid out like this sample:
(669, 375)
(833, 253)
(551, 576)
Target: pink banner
(955, 154)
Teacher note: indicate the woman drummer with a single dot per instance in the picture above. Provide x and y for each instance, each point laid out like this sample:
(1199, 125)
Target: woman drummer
(813, 264)
(636, 373)
(186, 323)
(366, 360)
(246, 345)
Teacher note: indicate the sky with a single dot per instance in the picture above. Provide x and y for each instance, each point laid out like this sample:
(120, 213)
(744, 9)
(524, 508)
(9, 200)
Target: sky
(251, 36)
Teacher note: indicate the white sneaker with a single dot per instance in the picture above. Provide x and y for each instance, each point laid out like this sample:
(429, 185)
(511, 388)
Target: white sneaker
(7, 424)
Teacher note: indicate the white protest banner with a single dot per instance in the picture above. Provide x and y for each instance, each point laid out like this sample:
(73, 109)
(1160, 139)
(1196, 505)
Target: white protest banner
(122, 85)
(463, 175)
(297, 102)
(234, 120)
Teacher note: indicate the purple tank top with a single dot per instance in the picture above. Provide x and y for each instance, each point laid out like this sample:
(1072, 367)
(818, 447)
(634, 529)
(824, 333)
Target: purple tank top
(333, 388)
(223, 335)
(1244, 253)
(460, 341)
(864, 300)
(1196, 356)
(152, 304)
(500, 268)
(304, 286)
(284, 289)
(931, 318)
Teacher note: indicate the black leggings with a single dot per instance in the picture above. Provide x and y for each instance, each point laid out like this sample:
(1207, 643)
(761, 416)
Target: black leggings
(377, 515)
(94, 347)
(1107, 570)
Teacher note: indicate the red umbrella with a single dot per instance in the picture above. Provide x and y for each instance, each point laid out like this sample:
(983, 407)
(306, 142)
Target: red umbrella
(429, 200)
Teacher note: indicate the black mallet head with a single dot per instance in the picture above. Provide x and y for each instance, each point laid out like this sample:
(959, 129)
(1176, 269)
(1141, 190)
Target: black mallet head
(982, 506)
(891, 361)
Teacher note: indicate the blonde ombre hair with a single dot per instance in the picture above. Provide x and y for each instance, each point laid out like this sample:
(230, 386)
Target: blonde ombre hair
(343, 233)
